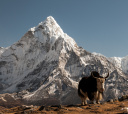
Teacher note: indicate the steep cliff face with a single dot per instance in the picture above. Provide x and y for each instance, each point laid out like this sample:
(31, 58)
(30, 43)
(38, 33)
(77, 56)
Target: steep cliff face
(46, 64)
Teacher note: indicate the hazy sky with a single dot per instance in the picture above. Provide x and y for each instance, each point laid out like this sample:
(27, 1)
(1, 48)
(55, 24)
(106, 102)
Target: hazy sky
(96, 25)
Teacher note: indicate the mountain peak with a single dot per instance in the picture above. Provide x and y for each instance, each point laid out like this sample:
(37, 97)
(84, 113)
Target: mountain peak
(49, 26)
(50, 18)
(47, 30)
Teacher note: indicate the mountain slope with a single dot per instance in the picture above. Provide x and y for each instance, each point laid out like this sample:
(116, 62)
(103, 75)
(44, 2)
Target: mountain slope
(45, 66)
(121, 63)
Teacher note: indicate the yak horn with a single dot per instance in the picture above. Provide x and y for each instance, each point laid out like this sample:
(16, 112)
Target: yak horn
(93, 75)
(107, 75)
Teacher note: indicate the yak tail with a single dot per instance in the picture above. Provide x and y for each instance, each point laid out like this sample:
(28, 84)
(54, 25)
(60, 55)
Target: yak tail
(79, 92)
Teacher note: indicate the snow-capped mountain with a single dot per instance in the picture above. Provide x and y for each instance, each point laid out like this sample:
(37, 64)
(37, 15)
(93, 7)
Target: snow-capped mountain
(45, 66)
(121, 63)
(116, 61)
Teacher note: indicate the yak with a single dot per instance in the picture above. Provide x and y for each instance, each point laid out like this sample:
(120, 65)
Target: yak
(92, 87)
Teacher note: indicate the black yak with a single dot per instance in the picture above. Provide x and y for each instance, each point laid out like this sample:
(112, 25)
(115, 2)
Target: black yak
(91, 87)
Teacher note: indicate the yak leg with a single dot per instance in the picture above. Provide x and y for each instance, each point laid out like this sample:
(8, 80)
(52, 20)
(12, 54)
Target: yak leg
(84, 99)
(92, 97)
(99, 97)
(96, 97)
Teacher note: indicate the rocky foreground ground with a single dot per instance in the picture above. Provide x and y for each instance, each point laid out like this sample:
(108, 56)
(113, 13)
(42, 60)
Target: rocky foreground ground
(117, 106)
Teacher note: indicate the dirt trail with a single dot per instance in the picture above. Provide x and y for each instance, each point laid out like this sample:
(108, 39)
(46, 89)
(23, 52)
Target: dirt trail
(116, 107)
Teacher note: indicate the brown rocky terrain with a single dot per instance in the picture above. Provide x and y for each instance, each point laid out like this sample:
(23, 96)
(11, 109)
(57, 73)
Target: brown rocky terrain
(116, 106)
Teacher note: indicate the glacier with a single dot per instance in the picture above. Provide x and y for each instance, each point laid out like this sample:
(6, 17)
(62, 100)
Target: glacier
(45, 66)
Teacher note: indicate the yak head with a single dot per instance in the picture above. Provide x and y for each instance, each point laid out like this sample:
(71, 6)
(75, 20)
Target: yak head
(100, 81)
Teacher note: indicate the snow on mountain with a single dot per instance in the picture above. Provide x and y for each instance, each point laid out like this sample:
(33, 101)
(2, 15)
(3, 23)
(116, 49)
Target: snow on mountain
(121, 63)
(124, 64)
(1, 50)
(45, 66)
(116, 61)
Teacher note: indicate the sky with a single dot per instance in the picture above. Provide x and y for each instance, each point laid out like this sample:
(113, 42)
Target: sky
(99, 26)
